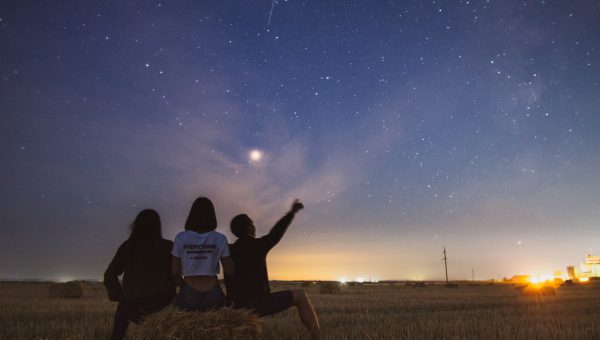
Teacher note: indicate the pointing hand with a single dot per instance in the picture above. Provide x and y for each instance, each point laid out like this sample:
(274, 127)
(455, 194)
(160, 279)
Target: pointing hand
(297, 206)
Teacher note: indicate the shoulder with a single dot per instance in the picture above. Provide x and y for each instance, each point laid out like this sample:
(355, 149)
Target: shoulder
(124, 245)
(220, 237)
(217, 234)
(180, 238)
(181, 234)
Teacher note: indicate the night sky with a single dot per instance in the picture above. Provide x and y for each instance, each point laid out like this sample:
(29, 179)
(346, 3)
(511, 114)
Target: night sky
(404, 126)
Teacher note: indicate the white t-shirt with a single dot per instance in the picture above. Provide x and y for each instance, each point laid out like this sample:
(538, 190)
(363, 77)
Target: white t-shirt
(200, 252)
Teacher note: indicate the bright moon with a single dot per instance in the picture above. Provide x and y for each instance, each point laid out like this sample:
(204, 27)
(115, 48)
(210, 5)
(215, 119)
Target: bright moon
(255, 155)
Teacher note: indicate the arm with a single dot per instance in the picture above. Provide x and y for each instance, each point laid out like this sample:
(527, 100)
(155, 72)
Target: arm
(111, 275)
(228, 277)
(228, 267)
(277, 232)
(176, 270)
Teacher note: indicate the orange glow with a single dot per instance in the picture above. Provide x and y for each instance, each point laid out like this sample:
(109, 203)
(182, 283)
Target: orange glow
(584, 279)
(541, 279)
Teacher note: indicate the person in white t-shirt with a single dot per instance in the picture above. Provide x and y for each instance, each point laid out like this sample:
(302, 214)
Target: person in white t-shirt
(196, 254)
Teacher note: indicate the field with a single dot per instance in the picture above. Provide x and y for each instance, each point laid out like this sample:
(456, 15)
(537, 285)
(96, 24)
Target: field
(480, 311)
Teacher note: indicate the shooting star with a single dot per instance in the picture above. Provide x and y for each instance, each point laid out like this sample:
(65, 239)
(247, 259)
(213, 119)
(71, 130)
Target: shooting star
(271, 13)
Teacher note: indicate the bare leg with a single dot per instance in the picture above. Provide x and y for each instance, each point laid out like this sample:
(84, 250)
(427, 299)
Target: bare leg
(306, 312)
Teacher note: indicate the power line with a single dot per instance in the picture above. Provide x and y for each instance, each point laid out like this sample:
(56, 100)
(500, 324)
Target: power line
(446, 264)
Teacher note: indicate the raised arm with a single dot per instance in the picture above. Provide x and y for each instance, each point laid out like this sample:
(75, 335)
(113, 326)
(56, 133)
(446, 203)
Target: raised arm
(112, 273)
(277, 232)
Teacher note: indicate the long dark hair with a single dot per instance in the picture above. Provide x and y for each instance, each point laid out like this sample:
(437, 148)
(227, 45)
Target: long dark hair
(202, 217)
(146, 225)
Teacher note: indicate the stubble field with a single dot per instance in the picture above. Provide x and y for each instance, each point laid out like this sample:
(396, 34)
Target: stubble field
(359, 312)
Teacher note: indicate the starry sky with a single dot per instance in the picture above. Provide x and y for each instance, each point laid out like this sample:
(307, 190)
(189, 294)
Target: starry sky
(404, 126)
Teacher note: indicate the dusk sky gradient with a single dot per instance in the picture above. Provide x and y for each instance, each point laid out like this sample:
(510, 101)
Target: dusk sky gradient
(403, 126)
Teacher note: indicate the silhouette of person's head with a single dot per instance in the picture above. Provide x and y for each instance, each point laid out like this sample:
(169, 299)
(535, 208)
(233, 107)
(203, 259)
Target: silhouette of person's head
(202, 217)
(242, 226)
(146, 225)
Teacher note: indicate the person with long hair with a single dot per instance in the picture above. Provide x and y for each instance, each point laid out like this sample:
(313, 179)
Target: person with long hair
(249, 287)
(144, 261)
(196, 254)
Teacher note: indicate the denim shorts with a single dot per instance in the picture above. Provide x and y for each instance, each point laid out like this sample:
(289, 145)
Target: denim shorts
(190, 299)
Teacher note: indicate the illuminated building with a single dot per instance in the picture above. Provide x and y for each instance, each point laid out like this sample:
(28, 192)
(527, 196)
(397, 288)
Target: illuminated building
(591, 266)
(571, 273)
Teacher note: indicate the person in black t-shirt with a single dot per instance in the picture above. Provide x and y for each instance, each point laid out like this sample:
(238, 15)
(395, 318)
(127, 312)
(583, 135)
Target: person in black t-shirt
(144, 260)
(249, 287)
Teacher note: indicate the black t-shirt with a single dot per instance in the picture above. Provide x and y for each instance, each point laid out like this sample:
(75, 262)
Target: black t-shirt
(146, 268)
(251, 281)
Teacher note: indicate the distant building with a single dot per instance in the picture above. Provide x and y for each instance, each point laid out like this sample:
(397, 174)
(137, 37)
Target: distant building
(571, 273)
(591, 266)
(592, 259)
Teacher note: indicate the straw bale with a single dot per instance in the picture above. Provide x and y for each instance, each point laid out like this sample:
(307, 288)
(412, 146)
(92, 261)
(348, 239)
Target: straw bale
(66, 290)
(330, 288)
(220, 324)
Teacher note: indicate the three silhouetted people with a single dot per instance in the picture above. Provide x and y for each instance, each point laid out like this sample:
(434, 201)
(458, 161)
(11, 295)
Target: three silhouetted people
(152, 267)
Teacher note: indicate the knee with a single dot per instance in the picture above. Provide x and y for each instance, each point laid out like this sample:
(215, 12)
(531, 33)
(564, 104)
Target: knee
(299, 296)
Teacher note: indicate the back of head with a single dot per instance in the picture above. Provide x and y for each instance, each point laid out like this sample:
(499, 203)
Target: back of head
(146, 225)
(202, 217)
(239, 225)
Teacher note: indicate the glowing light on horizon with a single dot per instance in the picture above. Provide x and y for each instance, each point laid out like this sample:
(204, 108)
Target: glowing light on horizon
(343, 280)
(584, 279)
(64, 279)
(544, 278)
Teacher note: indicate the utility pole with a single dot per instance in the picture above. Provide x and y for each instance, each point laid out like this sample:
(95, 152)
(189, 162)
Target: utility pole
(446, 264)
(472, 274)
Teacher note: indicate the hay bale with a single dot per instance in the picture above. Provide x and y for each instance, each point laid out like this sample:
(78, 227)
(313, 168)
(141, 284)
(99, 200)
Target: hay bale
(307, 284)
(66, 290)
(330, 288)
(224, 323)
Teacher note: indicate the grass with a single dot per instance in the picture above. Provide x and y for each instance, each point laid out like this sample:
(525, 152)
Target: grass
(359, 312)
